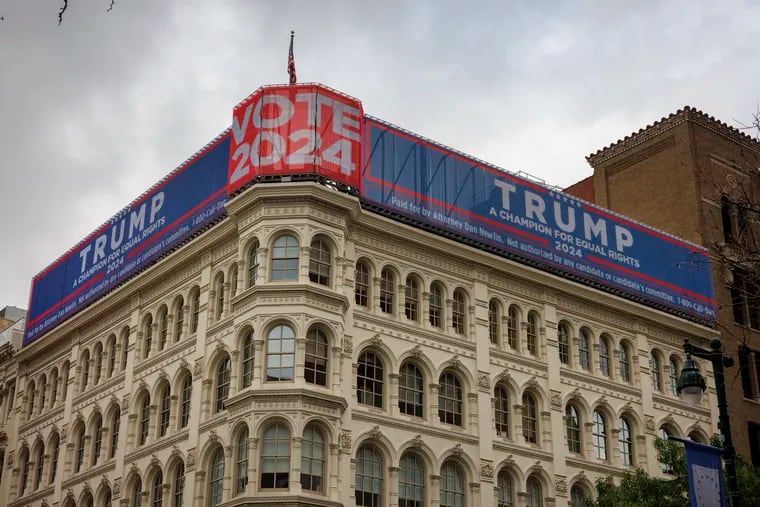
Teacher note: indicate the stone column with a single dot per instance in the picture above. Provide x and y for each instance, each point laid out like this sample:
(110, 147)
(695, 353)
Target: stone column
(234, 372)
(587, 439)
(435, 490)
(447, 317)
(155, 338)
(295, 466)
(433, 389)
(393, 484)
(262, 274)
(393, 380)
(375, 296)
(517, 409)
(228, 470)
(200, 487)
(473, 413)
(425, 310)
(174, 411)
(227, 299)
(206, 398)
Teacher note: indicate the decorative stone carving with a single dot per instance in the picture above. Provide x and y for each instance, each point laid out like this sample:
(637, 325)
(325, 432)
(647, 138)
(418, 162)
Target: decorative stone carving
(348, 345)
(504, 377)
(417, 441)
(212, 436)
(190, 459)
(375, 341)
(416, 351)
(198, 368)
(176, 453)
(162, 375)
(556, 399)
(87, 488)
(454, 362)
(457, 451)
(649, 423)
(560, 485)
(183, 364)
(104, 480)
(345, 440)
(533, 382)
(125, 403)
(154, 461)
(375, 432)
(484, 381)
(134, 469)
(509, 462)
(116, 489)
(486, 470)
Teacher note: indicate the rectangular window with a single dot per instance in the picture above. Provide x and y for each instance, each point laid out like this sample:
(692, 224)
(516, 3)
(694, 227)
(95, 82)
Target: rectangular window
(753, 431)
(746, 373)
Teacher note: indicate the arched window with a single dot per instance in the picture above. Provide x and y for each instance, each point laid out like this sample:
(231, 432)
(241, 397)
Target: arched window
(85, 370)
(107, 497)
(55, 449)
(501, 410)
(24, 467)
(53, 387)
(494, 321)
(673, 375)
(179, 485)
(535, 496)
(253, 264)
(452, 485)
(563, 337)
(599, 435)
(529, 418)
(655, 368)
(312, 459)
(233, 280)
(97, 439)
(163, 327)
(411, 481)
(411, 390)
(320, 260)
(157, 490)
(604, 355)
(124, 348)
(65, 369)
(280, 353)
(361, 284)
(147, 335)
(40, 459)
(435, 304)
(577, 496)
(111, 367)
(98, 359)
(412, 298)
(137, 493)
(79, 452)
(315, 365)
(241, 472)
(248, 349)
(216, 478)
(695, 436)
(179, 321)
(505, 490)
(573, 425)
(223, 372)
(625, 442)
(219, 291)
(625, 362)
(532, 333)
(458, 311)
(164, 409)
(30, 394)
(115, 423)
(187, 392)
(664, 433)
(144, 419)
(285, 258)
(369, 477)
(369, 380)
(195, 308)
(450, 399)
(275, 457)
(513, 322)
(584, 339)
(387, 290)
(43, 389)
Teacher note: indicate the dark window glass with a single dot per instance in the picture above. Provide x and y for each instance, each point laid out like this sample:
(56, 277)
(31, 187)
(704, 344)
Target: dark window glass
(411, 390)
(450, 399)
(320, 260)
(369, 477)
(369, 380)
(275, 457)
(285, 259)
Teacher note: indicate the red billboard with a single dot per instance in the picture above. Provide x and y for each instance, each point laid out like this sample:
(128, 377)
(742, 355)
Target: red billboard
(296, 129)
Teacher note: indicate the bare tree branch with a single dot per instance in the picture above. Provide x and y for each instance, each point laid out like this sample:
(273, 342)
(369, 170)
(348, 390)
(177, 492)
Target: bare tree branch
(63, 9)
(755, 125)
(111, 6)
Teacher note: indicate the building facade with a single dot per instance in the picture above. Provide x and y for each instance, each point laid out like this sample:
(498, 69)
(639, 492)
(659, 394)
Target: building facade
(305, 351)
(696, 177)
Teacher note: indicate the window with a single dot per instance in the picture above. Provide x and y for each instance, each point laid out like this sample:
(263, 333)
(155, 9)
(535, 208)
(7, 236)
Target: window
(664, 433)
(411, 481)
(577, 496)
(625, 442)
(654, 366)
(253, 264)
(222, 382)
(746, 373)
(233, 280)
(625, 362)
(163, 416)
(85, 370)
(24, 466)
(369, 380)
(573, 426)
(137, 493)
(604, 356)
(532, 333)
(157, 492)
(124, 349)
(163, 327)
(241, 472)
(86, 500)
(369, 477)
(280, 353)
(320, 259)
(450, 399)
(219, 290)
(179, 485)
(583, 349)
(411, 390)
(361, 288)
(513, 320)
(187, 392)
(79, 460)
(458, 312)
(43, 389)
(436, 306)
(216, 478)
(144, 419)
(753, 431)
(179, 311)
(563, 336)
(505, 490)
(285, 258)
(312, 459)
(501, 411)
(148, 335)
(412, 298)
(40, 464)
(745, 298)
(115, 421)
(726, 219)
(673, 376)
(452, 485)
(599, 435)
(55, 445)
(494, 316)
(97, 445)
(534, 498)
(111, 356)
(107, 497)
(195, 309)
(30, 393)
(98, 358)
(315, 365)
(275, 457)
(248, 349)
(529, 418)
(53, 388)
(387, 290)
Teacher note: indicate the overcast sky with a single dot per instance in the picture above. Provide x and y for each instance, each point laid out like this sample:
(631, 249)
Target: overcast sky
(95, 111)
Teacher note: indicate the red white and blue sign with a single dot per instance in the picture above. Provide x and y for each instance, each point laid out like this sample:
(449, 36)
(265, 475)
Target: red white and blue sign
(451, 193)
(185, 202)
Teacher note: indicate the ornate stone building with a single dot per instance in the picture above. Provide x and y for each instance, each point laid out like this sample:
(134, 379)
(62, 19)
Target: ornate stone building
(305, 351)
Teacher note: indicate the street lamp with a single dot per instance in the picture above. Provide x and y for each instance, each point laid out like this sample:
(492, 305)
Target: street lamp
(690, 386)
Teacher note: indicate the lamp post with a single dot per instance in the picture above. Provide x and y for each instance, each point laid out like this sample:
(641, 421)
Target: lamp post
(690, 386)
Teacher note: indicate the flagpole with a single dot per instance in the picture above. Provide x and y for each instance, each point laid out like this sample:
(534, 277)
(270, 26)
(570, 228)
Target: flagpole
(291, 61)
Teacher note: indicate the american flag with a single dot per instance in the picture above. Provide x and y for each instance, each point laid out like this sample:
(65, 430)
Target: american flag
(291, 61)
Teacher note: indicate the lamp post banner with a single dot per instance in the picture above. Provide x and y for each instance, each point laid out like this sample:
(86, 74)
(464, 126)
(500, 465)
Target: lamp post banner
(703, 463)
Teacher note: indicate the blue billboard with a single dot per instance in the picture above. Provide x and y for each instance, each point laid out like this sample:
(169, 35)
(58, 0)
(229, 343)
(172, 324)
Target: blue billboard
(186, 201)
(447, 191)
